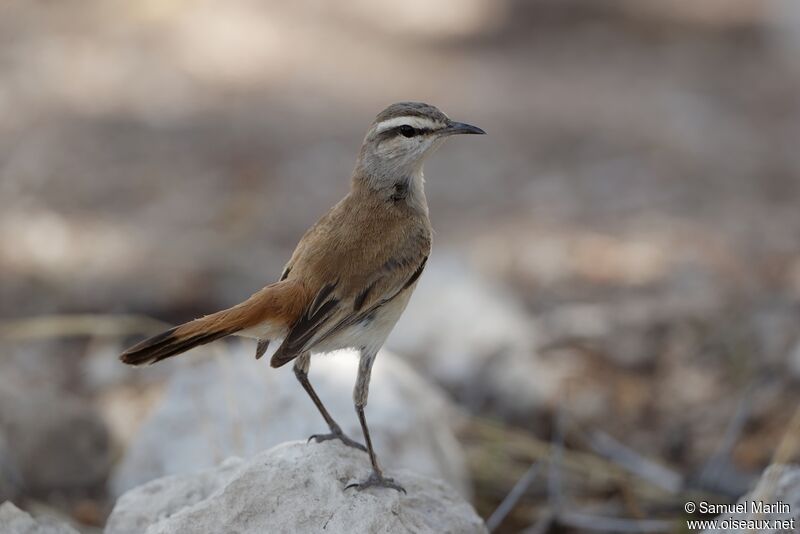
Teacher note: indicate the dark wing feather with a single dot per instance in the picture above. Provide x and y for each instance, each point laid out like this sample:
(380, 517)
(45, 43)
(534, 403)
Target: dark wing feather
(329, 313)
(261, 348)
(321, 308)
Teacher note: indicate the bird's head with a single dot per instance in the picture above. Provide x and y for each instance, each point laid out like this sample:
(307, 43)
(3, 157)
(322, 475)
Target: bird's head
(400, 139)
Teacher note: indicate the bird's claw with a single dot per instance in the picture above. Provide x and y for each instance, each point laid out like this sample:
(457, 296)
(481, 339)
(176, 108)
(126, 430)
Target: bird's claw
(377, 480)
(319, 438)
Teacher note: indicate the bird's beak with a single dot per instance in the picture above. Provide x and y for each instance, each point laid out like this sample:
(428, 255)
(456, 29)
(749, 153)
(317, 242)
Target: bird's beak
(455, 128)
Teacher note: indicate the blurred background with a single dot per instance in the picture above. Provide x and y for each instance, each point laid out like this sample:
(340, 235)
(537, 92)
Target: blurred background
(616, 273)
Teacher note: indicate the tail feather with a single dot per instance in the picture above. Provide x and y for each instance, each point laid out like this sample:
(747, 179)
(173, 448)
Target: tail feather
(278, 303)
(169, 343)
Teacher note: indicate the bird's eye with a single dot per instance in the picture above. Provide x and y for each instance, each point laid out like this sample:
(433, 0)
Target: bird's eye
(407, 131)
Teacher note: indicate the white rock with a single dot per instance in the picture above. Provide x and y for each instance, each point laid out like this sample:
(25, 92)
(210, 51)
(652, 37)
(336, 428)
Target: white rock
(472, 337)
(779, 484)
(15, 521)
(235, 405)
(294, 487)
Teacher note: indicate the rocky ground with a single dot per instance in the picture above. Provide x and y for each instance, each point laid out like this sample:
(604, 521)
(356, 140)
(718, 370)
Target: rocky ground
(256, 496)
(613, 297)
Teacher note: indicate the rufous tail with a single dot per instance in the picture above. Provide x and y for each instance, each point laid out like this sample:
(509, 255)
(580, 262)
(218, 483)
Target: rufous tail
(275, 306)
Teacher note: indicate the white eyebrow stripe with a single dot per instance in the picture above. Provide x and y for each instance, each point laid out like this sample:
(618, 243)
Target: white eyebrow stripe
(410, 120)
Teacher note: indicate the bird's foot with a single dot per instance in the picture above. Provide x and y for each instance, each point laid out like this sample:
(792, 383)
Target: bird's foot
(376, 480)
(341, 436)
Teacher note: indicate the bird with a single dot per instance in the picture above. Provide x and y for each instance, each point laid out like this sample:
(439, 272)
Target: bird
(350, 276)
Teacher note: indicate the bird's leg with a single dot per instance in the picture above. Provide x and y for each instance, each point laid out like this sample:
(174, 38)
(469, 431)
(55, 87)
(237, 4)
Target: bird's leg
(301, 365)
(360, 393)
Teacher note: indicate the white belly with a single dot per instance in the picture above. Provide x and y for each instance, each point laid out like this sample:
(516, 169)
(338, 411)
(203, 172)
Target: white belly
(371, 333)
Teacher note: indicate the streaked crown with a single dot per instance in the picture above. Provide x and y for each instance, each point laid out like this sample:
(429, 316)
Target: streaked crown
(418, 110)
